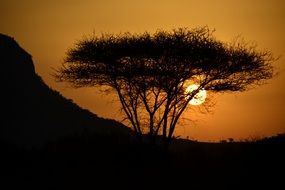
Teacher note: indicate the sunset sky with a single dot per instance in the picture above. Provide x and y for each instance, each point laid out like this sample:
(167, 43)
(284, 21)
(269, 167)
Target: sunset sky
(47, 28)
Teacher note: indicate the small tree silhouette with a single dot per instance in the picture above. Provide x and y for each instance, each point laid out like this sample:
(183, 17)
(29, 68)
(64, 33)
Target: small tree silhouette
(150, 73)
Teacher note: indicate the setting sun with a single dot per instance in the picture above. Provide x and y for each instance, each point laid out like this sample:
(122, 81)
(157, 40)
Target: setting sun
(46, 30)
(199, 98)
(180, 94)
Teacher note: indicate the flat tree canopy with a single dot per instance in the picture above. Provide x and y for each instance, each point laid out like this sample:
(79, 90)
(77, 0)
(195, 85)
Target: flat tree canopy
(150, 72)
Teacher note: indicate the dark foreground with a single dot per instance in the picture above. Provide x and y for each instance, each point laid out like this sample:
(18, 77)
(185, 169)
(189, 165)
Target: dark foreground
(113, 162)
(34, 114)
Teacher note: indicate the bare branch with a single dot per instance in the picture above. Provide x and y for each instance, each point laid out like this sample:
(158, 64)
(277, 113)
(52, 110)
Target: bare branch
(150, 72)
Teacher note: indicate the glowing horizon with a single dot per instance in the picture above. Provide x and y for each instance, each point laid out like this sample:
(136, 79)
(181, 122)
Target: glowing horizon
(47, 29)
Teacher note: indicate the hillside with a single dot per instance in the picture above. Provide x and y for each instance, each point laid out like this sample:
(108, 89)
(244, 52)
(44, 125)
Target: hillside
(106, 164)
(67, 146)
(34, 114)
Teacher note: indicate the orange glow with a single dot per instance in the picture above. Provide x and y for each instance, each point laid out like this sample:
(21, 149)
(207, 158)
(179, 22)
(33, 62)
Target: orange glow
(47, 29)
(199, 98)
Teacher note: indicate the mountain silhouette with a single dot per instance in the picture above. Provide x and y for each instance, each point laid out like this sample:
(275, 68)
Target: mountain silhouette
(33, 114)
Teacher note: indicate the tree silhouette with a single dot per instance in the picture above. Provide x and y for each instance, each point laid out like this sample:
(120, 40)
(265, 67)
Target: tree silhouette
(150, 73)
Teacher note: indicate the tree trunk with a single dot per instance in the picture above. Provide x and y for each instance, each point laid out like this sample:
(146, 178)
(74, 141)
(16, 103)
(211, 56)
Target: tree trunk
(138, 138)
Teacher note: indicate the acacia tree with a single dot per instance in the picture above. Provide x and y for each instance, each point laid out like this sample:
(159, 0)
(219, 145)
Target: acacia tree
(150, 73)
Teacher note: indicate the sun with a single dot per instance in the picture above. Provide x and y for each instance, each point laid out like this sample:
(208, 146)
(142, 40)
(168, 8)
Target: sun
(199, 98)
